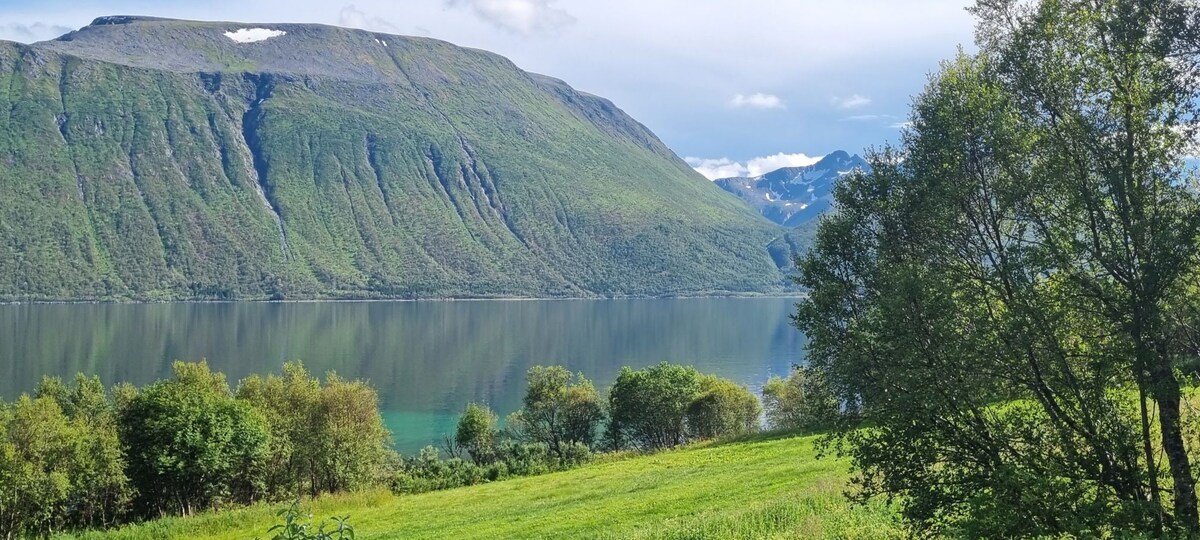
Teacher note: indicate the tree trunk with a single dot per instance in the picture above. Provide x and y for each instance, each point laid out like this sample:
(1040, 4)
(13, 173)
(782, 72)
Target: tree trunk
(1148, 449)
(1166, 393)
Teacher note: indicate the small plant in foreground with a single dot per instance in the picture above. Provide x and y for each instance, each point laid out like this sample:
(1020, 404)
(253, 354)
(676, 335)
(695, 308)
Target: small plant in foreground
(296, 528)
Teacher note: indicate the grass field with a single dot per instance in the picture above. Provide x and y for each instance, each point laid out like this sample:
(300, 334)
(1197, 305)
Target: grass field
(765, 487)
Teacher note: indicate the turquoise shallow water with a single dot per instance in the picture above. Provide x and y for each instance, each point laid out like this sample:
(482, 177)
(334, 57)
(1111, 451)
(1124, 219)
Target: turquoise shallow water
(427, 359)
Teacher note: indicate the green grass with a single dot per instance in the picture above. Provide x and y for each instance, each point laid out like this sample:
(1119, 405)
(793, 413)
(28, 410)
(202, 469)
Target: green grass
(765, 487)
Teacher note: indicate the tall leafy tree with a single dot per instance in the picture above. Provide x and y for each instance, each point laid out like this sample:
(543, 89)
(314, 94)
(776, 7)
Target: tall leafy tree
(559, 409)
(352, 443)
(648, 407)
(801, 401)
(36, 454)
(998, 297)
(190, 444)
(476, 433)
(100, 491)
(290, 402)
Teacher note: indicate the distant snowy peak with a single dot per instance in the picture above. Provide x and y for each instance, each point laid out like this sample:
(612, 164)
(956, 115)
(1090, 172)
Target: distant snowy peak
(792, 196)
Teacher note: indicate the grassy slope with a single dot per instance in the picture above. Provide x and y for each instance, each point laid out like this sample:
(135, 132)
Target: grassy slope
(767, 487)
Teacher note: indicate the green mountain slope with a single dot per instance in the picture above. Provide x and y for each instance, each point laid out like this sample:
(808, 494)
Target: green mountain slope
(159, 159)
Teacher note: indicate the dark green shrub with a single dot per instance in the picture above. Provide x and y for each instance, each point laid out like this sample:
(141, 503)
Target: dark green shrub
(559, 410)
(647, 407)
(427, 471)
(191, 445)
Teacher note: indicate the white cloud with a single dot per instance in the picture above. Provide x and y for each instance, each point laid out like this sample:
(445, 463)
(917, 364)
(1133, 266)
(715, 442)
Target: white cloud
(853, 102)
(766, 164)
(352, 17)
(525, 17)
(901, 125)
(714, 169)
(29, 33)
(757, 101)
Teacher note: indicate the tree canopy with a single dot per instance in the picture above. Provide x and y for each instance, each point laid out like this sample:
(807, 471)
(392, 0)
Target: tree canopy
(1002, 298)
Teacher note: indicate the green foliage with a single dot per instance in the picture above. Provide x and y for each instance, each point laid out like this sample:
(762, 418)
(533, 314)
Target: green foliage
(324, 438)
(476, 433)
(427, 471)
(290, 403)
(71, 457)
(665, 405)
(352, 443)
(296, 527)
(101, 492)
(60, 460)
(999, 298)
(191, 445)
(802, 401)
(35, 458)
(647, 407)
(722, 408)
(559, 410)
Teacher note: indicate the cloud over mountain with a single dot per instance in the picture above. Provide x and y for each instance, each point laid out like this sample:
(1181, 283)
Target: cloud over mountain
(525, 17)
(713, 169)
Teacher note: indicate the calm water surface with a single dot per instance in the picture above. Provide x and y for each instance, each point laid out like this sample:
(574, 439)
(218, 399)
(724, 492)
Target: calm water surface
(427, 359)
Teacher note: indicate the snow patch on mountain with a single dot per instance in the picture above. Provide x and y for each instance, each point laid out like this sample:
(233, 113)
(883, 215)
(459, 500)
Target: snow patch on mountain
(251, 35)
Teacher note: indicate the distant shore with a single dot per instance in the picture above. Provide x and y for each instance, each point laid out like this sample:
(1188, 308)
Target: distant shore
(339, 299)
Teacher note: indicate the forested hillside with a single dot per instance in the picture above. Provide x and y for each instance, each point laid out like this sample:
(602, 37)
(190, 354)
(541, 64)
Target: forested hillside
(160, 159)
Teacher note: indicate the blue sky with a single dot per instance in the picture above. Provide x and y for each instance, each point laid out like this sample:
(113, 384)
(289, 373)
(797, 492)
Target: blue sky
(740, 86)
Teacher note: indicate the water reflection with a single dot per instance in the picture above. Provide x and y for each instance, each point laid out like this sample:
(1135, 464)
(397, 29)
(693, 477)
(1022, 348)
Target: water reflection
(427, 359)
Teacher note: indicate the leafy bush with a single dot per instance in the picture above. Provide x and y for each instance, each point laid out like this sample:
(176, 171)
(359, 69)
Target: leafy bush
(100, 491)
(476, 433)
(352, 442)
(559, 410)
(34, 467)
(427, 471)
(324, 437)
(191, 445)
(802, 401)
(647, 407)
(666, 405)
(722, 409)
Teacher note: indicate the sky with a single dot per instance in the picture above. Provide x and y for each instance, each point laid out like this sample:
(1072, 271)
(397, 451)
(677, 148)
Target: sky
(737, 87)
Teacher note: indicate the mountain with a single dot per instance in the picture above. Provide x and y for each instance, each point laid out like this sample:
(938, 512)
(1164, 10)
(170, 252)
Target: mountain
(794, 195)
(161, 159)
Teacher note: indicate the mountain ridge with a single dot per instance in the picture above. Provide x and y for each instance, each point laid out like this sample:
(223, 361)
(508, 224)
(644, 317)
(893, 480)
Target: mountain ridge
(793, 196)
(198, 167)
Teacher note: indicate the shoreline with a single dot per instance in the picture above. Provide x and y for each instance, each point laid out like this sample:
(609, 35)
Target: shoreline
(782, 294)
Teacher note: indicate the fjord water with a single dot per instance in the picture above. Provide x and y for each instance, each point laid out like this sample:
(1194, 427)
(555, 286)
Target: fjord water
(426, 359)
